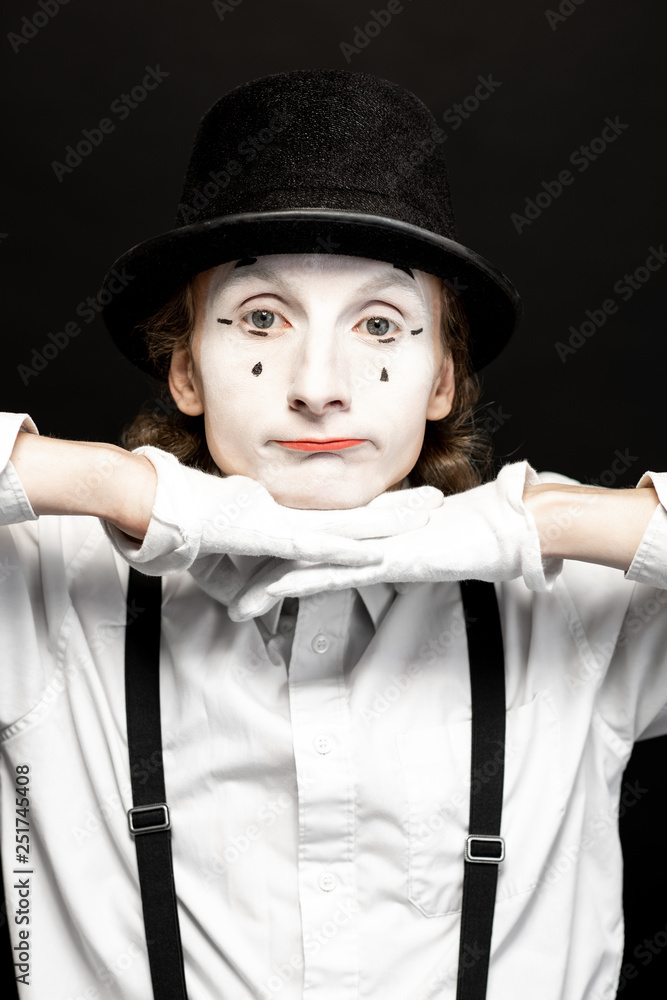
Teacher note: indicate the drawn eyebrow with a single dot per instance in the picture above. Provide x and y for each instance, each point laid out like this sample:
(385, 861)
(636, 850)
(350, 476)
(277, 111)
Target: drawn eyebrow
(373, 285)
(224, 321)
(259, 270)
(414, 332)
(394, 282)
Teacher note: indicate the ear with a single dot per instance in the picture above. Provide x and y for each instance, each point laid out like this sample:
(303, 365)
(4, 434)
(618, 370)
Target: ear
(181, 383)
(442, 394)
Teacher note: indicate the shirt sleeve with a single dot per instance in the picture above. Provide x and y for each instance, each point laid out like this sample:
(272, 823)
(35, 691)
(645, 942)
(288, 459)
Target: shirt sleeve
(172, 539)
(633, 698)
(650, 561)
(14, 503)
(619, 624)
(27, 661)
(40, 560)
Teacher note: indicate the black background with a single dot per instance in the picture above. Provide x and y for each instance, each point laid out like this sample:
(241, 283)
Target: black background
(558, 84)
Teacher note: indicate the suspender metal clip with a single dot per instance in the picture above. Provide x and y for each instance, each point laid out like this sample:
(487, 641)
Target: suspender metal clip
(486, 850)
(149, 819)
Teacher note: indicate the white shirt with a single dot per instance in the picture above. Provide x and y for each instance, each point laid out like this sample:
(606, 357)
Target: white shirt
(319, 793)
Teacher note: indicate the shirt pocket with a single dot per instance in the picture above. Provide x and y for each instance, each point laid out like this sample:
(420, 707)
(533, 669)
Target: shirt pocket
(435, 765)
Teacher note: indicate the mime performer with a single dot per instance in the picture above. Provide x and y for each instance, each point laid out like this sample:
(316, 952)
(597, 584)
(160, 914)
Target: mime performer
(296, 701)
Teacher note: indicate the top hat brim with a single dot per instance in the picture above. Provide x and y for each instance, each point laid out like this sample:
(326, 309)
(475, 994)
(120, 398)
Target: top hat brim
(161, 265)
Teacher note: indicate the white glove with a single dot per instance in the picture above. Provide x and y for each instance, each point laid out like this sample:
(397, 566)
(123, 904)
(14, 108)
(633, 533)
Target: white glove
(483, 534)
(197, 515)
(389, 514)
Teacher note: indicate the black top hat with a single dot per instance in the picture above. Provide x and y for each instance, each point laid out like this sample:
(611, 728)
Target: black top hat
(314, 161)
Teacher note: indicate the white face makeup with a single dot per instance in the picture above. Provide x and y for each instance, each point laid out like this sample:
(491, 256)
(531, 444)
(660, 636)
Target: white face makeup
(316, 374)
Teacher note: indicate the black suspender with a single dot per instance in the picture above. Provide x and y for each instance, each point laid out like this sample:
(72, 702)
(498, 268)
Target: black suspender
(149, 817)
(484, 849)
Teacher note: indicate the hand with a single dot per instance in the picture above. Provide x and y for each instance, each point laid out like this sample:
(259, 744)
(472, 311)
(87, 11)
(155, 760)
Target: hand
(485, 534)
(198, 515)
(389, 514)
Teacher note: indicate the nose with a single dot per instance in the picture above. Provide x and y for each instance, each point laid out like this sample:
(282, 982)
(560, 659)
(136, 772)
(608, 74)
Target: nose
(321, 381)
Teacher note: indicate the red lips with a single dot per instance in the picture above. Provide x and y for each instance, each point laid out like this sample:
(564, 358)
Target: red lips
(332, 444)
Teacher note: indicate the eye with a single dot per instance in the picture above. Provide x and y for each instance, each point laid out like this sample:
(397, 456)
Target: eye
(263, 319)
(378, 326)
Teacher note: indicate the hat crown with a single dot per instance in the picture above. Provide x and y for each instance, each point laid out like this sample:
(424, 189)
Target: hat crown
(313, 161)
(331, 139)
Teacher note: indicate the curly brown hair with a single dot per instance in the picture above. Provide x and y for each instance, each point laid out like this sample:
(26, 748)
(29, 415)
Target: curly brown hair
(456, 451)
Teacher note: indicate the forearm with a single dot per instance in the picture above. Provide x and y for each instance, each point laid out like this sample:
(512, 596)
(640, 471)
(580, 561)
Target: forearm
(590, 524)
(82, 477)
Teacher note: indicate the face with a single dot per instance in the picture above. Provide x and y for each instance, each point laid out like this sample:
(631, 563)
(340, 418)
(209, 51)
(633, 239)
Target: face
(315, 373)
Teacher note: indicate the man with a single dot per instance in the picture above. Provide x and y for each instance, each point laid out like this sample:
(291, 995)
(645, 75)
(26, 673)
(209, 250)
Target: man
(318, 332)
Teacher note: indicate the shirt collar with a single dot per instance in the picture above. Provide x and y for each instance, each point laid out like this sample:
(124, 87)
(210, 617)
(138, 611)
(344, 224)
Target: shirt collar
(270, 618)
(377, 598)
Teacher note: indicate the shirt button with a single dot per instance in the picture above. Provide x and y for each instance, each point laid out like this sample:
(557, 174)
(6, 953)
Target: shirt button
(320, 643)
(286, 627)
(327, 881)
(322, 744)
